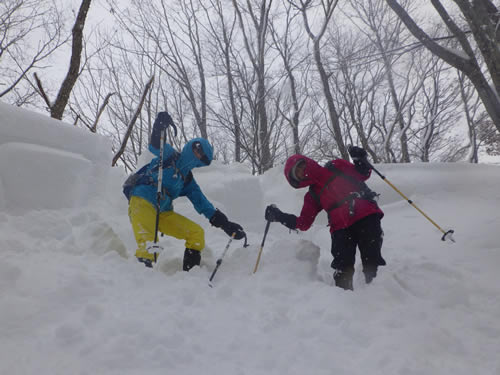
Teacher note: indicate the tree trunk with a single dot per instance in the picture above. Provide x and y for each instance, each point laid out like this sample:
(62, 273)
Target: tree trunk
(132, 122)
(332, 111)
(57, 109)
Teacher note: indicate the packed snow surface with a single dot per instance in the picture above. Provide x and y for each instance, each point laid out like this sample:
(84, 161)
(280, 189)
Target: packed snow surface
(73, 299)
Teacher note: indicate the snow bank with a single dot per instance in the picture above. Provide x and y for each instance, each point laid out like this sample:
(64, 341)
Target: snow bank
(48, 164)
(75, 301)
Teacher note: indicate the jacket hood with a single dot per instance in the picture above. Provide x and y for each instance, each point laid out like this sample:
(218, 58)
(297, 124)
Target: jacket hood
(290, 163)
(188, 160)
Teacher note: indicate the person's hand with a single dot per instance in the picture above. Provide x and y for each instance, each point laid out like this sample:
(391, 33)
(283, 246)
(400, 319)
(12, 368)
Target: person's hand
(163, 121)
(233, 228)
(273, 213)
(219, 220)
(357, 153)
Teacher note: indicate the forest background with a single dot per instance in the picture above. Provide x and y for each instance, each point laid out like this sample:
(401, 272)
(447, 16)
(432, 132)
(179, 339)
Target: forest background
(263, 79)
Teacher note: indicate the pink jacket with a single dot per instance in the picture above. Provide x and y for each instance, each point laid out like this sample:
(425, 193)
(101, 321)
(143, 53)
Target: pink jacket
(337, 190)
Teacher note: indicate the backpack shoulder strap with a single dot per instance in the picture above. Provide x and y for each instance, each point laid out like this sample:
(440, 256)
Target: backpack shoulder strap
(170, 161)
(337, 172)
(363, 189)
(188, 178)
(314, 196)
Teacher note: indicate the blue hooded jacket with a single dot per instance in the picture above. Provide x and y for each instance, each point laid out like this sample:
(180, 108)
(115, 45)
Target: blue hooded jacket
(177, 177)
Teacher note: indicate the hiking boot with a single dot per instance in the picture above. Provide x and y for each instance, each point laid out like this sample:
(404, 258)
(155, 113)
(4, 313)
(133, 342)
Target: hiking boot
(343, 278)
(191, 258)
(146, 257)
(370, 272)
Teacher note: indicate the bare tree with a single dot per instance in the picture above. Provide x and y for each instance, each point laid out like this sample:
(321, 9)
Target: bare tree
(482, 17)
(489, 137)
(437, 109)
(131, 124)
(127, 74)
(385, 33)
(327, 8)
(174, 44)
(91, 94)
(477, 119)
(222, 29)
(59, 105)
(357, 80)
(22, 22)
(258, 13)
(286, 42)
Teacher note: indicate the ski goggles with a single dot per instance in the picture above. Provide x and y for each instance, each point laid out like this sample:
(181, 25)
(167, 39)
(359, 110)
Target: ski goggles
(199, 150)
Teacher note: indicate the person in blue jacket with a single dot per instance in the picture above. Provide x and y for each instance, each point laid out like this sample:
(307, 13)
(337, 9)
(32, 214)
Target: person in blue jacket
(177, 181)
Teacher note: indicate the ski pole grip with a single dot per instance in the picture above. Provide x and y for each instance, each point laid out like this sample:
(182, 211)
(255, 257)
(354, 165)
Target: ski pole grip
(175, 128)
(375, 170)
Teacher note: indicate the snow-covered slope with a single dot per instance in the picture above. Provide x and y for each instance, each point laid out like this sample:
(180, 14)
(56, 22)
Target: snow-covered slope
(73, 300)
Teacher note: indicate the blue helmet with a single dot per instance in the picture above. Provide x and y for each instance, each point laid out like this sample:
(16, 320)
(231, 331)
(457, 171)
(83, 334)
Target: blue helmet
(188, 159)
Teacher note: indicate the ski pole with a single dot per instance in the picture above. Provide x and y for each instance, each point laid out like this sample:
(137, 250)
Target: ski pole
(262, 246)
(219, 261)
(446, 234)
(156, 247)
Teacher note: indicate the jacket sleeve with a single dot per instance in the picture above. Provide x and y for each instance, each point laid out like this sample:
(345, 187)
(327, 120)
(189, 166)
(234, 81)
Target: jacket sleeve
(169, 151)
(309, 211)
(201, 204)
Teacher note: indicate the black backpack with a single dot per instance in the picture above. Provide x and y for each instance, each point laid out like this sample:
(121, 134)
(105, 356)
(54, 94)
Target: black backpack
(144, 176)
(363, 191)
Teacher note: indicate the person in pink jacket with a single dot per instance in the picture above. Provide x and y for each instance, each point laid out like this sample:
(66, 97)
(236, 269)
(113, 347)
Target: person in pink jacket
(353, 214)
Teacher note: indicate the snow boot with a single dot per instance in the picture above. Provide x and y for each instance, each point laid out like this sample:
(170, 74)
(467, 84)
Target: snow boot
(370, 271)
(191, 258)
(146, 257)
(343, 278)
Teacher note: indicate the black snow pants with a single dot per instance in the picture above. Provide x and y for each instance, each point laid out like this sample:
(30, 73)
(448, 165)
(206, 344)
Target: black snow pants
(366, 234)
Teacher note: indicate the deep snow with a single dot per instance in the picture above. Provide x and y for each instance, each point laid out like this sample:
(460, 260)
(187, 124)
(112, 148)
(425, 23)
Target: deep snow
(73, 300)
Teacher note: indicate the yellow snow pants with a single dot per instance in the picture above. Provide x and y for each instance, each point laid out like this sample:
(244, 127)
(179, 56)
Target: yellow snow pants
(142, 216)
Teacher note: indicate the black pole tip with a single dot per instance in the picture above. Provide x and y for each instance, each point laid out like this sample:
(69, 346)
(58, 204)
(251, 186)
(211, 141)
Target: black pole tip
(448, 235)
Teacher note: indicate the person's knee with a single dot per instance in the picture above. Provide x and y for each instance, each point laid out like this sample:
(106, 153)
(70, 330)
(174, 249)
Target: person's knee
(196, 238)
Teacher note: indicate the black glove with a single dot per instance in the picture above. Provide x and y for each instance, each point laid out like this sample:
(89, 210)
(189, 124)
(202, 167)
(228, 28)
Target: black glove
(357, 153)
(232, 228)
(274, 214)
(359, 158)
(163, 121)
(219, 220)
